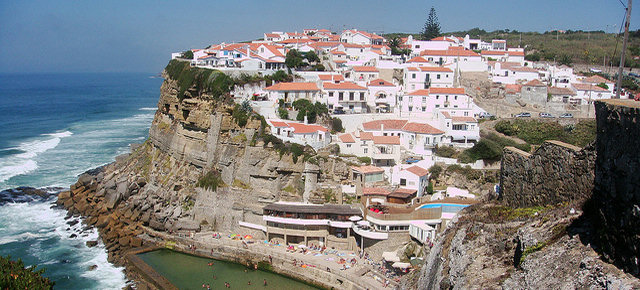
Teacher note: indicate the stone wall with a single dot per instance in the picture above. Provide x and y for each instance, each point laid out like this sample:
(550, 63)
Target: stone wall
(615, 205)
(556, 172)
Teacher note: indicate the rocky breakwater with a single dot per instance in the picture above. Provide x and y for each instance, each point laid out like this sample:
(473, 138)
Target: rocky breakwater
(96, 196)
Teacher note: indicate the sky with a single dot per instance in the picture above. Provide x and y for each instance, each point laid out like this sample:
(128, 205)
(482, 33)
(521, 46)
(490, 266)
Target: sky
(139, 36)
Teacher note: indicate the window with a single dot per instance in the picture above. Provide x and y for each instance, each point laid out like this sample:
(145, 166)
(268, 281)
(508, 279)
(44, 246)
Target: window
(351, 96)
(460, 127)
(446, 76)
(348, 145)
(365, 150)
(330, 94)
(455, 97)
(424, 99)
(413, 76)
(437, 106)
(350, 107)
(361, 96)
(413, 87)
(340, 96)
(466, 114)
(424, 109)
(417, 46)
(528, 89)
(438, 76)
(410, 109)
(437, 97)
(403, 182)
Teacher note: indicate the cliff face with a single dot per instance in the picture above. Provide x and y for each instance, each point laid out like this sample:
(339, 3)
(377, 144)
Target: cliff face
(536, 236)
(193, 133)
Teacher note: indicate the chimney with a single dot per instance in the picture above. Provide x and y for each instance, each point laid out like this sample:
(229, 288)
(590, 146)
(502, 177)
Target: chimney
(382, 127)
(305, 119)
(248, 55)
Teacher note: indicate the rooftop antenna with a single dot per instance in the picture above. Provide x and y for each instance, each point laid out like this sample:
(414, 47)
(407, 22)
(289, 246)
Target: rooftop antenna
(624, 50)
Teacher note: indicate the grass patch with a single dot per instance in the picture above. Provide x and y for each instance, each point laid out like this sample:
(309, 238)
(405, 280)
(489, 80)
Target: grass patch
(240, 138)
(289, 189)
(505, 213)
(536, 132)
(532, 249)
(490, 148)
(240, 184)
(364, 159)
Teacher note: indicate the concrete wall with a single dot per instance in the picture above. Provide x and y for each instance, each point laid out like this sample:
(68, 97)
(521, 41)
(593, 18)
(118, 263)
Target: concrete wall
(556, 172)
(615, 205)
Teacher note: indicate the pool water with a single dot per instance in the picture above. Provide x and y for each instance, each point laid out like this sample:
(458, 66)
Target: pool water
(446, 207)
(190, 272)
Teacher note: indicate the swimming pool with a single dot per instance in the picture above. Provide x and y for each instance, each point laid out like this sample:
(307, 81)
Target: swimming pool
(446, 207)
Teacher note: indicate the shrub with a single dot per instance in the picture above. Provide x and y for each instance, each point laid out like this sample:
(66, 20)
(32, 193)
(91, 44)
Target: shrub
(435, 171)
(211, 180)
(445, 151)
(336, 125)
(14, 275)
(187, 54)
(283, 113)
(364, 159)
(430, 187)
(240, 115)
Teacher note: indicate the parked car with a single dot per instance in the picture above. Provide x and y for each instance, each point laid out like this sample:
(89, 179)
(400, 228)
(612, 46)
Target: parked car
(523, 115)
(566, 115)
(545, 115)
(338, 111)
(485, 115)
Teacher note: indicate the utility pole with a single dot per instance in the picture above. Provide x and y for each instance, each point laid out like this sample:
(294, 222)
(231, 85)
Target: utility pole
(624, 50)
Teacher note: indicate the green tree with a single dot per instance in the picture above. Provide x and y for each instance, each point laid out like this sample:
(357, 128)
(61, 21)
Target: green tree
(430, 187)
(336, 124)
(293, 59)
(187, 54)
(565, 59)
(283, 113)
(14, 275)
(431, 26)
(311, 56)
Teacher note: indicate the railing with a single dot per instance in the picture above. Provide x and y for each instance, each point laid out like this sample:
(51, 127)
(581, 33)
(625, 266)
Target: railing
(422, 214)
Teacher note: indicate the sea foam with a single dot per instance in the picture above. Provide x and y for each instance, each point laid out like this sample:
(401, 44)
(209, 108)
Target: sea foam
(22, 162)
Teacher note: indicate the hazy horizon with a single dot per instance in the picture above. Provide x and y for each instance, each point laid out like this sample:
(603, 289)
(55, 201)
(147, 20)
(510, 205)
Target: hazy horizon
(119, 36)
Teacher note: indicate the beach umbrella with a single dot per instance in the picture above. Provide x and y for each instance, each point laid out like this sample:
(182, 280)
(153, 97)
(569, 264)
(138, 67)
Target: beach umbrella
(248, 237)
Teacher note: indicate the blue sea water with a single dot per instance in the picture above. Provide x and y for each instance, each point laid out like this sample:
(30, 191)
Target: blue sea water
(53, 127)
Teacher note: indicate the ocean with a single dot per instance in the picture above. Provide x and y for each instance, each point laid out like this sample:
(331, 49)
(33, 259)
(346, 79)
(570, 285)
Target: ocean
(53, 127)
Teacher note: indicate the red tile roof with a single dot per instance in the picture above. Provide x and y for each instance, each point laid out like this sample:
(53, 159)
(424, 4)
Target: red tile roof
(366, 169)
(421, 129)
(515, 53)
(596, 79)
(446, 115)
(366, 136)
(375, 191)
(561, 91)
(388, 124)
(338, 52)
(464, 119)
(493, 52)
(293, 87)
(389, 140)
(435, 69)
(423, 92)
(453, 91)
(417, 170)
(534, 83)
(513, 88)
(278, 124)
(347, 138)
(403, 193)
(588, 87)
(417, 59)
(300, 128)
(365, 69)
(380, 83)
(342, 86)
(449, 52)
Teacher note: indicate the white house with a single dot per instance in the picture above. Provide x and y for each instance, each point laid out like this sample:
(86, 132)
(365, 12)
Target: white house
(360, 37)
(587, 93)
(346, 95)
(511, 72)
(382, 95)
(598, 80)
(411, 177)
(383, 150)
(420, 138)
(434, 99)
(418, 78)
(289, 92)
(362, 74)
(457, 56)
(313, 135)
(460, 130)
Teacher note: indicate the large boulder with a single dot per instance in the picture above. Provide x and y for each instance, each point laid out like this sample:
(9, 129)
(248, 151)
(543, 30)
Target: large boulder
(187, 225)
(112, 198)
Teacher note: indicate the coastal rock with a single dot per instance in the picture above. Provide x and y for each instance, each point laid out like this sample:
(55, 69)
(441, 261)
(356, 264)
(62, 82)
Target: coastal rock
(112, 198)
(93, 267)
(91, 244)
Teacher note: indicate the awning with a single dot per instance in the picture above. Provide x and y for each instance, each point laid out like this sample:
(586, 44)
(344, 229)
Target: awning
(391, 257)
(401, 265)
(364, 223)
(355, 218)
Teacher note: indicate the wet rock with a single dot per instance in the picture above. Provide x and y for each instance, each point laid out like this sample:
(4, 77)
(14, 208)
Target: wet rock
(93, 267)
(91, 244)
